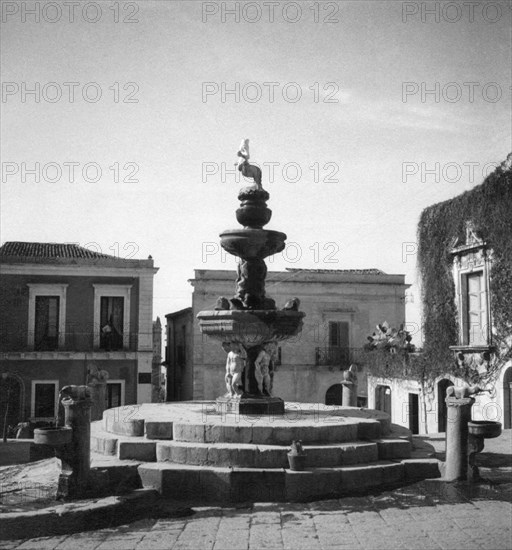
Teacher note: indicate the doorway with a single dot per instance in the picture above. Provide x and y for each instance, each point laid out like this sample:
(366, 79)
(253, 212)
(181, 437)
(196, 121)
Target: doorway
(11, 403)
(334, 395)
(383, 399)
(414, 413)
(507, 399)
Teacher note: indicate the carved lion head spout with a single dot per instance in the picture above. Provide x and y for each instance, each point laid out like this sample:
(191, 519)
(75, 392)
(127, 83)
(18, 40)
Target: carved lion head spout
(75, 393)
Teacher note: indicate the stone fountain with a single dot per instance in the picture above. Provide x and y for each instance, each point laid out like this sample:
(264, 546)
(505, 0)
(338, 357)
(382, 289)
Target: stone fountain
(249, 324)
(249, 445)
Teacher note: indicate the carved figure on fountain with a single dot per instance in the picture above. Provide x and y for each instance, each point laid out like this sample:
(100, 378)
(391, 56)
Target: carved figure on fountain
(248, 170)
(262, 370)
(235, 366)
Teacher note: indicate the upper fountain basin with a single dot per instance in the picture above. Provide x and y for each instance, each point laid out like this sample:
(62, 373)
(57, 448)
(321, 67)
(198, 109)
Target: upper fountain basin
(250, 243)
(252, 326)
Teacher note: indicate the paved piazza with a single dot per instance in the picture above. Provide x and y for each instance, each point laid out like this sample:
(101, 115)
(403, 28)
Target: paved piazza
(426, 515)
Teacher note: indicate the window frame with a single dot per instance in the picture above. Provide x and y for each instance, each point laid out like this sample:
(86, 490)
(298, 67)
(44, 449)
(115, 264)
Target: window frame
(123, 387)
(46, 289)
(119, 291)
(33, 416)
(466, 326)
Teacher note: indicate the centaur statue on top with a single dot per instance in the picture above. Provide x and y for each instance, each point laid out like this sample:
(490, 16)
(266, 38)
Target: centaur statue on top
(248, 170)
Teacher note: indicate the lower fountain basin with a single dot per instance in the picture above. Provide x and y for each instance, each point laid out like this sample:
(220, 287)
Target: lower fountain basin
(252, 326)
(484, 428)
(55, 437)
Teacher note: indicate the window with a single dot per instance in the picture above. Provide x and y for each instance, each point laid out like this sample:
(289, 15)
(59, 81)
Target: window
(474, 306)
(339, 342)
(46, 335)
(111, 323)
(112, 317)
(46, 316)
(115, 393)
(45, 398)
(471, 267)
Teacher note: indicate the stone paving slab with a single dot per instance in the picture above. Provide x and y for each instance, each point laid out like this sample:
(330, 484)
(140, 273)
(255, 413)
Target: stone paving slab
(428, 515)
(404, 518)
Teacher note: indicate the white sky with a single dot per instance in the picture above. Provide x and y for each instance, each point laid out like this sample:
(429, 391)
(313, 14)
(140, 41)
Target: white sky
(173, 211)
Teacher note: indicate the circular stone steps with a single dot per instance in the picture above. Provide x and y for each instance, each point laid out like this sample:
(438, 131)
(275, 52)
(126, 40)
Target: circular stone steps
(200, 484)
(246, 455)
(198, 422)
(190, 452)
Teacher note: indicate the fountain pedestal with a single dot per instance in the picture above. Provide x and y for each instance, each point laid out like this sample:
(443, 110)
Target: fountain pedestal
(75, 473)
(249, 325)
(459, 414)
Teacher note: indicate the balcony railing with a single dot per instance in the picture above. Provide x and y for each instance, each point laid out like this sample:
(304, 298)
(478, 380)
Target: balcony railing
(73, 341)
(333, 356)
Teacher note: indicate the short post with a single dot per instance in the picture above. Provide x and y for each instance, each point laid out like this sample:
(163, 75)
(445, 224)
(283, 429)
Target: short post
(97, 382)
(77, 455)
(458, 416)
(349, 383)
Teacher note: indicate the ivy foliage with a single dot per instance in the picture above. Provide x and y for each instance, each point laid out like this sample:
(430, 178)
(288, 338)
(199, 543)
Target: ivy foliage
(489, 207)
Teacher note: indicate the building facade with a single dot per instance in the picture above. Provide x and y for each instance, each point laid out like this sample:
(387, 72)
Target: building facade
(342, 307)
(465, 259)
(65, 309)
(474, 351)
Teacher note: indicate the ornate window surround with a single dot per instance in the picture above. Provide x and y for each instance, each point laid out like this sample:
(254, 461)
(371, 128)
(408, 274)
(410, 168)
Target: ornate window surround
(473, 256)
(46, 289)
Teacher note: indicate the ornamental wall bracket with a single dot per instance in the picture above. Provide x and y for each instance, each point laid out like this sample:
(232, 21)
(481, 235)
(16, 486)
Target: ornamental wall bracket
(472, 241)
(474, 358)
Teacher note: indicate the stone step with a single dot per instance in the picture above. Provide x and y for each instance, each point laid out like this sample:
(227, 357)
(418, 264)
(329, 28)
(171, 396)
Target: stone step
(199, 422)
(123, 447)
(277, 434)
(215, 484)
(247, 455)
(244, 455)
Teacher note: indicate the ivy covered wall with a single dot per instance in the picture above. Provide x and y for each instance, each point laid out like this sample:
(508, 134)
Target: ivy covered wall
(489, 207)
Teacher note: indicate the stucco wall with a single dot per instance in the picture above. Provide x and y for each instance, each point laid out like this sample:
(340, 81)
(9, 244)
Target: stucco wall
(14, 302)
(363, 304)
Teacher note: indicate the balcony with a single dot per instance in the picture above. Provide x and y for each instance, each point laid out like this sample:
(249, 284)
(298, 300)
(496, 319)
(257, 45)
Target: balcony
(74, 341)
(333, 356)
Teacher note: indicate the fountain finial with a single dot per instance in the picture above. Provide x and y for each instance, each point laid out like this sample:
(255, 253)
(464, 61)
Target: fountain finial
(248, 170)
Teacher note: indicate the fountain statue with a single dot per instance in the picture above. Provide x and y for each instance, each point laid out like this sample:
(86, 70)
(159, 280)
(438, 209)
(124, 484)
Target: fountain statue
(249, 323)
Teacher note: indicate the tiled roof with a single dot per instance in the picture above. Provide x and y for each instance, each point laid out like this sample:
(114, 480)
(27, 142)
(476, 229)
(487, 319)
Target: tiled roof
(370, 271)
(49, 250)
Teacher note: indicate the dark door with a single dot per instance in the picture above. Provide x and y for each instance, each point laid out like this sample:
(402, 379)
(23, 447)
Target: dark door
(507, 399)
(414, 413)
(10, 404)
(333, 396)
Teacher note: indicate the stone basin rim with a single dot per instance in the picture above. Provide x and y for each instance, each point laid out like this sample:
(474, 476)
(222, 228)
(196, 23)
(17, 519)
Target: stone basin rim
(488, 429)
(242, 314)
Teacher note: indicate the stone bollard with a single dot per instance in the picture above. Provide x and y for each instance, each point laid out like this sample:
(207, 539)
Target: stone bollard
(98, 399)
(97, 382)
(459, 414)
(76, 456)
(349, 383)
